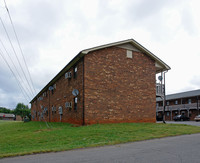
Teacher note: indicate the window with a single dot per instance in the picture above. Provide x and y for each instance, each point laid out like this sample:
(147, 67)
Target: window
(45, 94)
(168, 114)
(167, 103)
(176, 102)
(75, 72)
(189, 101)
(190, 113)
(68, 75)
(75, 103)
(157, 104)
(53, 110)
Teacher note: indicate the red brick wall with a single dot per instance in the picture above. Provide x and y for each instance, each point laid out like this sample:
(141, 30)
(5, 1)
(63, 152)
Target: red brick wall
(119, 89)
(61, 95)
(18, 118)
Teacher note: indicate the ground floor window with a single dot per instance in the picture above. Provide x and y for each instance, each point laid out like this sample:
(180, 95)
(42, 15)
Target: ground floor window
(168, 114)
(75, 103)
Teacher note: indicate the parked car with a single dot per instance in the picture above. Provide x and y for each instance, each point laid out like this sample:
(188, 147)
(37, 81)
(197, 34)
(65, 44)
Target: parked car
(181, 118)
(159, 118)
(197, 118)
(26, 119)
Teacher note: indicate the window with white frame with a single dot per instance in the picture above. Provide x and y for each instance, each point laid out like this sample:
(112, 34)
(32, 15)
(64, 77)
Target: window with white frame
(75, 72)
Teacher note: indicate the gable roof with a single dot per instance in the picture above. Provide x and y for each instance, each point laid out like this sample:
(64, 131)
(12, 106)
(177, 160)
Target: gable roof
(160, 65)
(181, 95)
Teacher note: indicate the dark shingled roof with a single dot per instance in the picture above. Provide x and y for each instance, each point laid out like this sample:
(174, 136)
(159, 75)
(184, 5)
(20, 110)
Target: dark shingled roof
(181, 95)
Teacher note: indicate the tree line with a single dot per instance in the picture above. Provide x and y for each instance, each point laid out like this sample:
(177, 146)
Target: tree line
(21, 110)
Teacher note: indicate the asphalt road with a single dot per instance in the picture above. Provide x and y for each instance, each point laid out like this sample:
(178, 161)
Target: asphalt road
(179, 149)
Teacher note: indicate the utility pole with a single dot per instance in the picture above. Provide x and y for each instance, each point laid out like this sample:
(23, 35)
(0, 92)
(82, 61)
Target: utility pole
(198, 104)
(164, 99)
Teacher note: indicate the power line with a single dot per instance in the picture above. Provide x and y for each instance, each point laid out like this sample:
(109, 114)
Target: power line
(21, 88)
(19, 44)
(13, 64)
(15, 54)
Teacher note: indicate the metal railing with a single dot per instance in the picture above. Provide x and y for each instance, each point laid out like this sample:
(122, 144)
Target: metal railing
(178, 107)
(159, 89)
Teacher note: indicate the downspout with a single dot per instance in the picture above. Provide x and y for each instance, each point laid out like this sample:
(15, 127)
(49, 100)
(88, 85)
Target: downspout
(49, 106)
(37, 108)
(198, 105)
(83, 77)
(164, 100)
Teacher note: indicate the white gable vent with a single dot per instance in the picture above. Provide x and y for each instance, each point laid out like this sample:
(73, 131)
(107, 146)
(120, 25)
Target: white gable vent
(129, 54)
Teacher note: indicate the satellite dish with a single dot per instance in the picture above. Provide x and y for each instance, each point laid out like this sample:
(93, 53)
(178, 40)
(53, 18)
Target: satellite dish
(75, 92)
(51, 88)
(160, 78)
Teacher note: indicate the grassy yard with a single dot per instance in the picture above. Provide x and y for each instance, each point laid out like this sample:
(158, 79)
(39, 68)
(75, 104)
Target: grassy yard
(18, 138)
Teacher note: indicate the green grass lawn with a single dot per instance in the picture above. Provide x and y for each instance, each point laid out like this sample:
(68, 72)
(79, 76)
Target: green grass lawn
(18, 138)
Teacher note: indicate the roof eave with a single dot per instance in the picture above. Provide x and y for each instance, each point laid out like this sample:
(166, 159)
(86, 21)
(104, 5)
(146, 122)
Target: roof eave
(66, 68)
(165, 67)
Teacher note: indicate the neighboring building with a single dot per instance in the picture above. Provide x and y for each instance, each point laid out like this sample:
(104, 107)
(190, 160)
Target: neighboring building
(18, 118)
(111, 83)
(187, 103)
(5, 116)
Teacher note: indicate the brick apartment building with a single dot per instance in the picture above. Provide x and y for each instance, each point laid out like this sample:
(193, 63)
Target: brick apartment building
(187, 103)
(111, 83)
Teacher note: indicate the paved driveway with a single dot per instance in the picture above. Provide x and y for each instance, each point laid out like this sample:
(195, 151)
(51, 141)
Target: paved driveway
(179, 149)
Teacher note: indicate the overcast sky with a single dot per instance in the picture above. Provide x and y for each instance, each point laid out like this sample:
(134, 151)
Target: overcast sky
(52, 32)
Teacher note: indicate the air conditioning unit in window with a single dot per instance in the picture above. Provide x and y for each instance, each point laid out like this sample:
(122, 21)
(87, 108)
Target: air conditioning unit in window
(68, 75)
(60, 110)
(68, 105)
(45, 110)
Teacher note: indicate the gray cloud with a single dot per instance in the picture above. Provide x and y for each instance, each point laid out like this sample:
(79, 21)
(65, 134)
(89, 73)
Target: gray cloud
(188, 22)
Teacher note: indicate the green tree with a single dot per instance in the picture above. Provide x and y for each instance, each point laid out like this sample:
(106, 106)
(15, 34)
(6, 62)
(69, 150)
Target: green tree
(5, 110)
(22, 110)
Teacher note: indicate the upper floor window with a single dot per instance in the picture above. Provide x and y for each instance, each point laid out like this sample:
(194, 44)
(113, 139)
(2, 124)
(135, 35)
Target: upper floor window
(189, 101)
(167, 102)
(176, 102)
(75, 72)
(45, 94)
